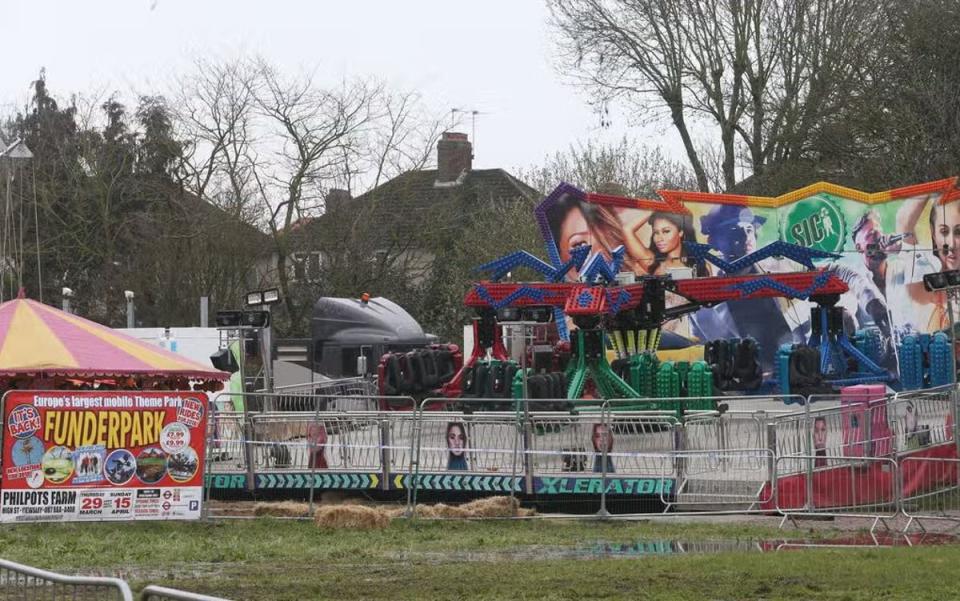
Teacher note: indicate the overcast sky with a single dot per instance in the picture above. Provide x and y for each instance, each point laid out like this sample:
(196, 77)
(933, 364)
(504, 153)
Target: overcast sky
(493, 56)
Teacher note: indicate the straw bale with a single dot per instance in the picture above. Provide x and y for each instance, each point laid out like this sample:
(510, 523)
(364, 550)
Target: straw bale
(282, 509)
(495, 507)
(350, 516)
(392, 511)
(490, 507)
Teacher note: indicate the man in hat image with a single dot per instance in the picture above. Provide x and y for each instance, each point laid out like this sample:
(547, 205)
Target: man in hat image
(732, 230)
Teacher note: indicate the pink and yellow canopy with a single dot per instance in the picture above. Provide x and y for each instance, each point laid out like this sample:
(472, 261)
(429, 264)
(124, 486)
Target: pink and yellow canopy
(39, 339)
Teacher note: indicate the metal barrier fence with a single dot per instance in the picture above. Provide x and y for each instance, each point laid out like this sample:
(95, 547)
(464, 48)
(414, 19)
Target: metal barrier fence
(731, 480)
(358, 399)
(837, 485)
(729, 457)
(160, 593)
(291, 397)
(22, 582)
(930, 489)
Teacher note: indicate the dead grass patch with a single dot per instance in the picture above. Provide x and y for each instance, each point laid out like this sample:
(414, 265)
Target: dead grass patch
(282, 509)
(358, 517)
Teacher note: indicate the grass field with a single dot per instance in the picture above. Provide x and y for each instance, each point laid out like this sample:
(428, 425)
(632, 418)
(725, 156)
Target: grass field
(281, 559)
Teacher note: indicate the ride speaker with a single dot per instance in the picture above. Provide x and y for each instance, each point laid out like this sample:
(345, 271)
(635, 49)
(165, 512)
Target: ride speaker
(225, 361)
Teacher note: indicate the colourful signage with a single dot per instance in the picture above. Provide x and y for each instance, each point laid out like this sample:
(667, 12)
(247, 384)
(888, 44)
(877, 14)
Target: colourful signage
(110, 455)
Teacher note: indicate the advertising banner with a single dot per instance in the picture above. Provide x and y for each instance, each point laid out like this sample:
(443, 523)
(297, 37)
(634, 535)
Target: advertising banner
(884, 243)
(102, 455)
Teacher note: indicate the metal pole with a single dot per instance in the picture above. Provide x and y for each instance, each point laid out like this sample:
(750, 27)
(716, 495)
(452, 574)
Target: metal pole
(131, 320)
(527, 467)
(249, 455)
(604, 423)
(523, 361)
(808, 440)
(955, 413)
(386, 457)
(207, 454)
(268, 351)
(204, 311)
(953, 335)
(311, 460)
(771, 428)
(6, 219)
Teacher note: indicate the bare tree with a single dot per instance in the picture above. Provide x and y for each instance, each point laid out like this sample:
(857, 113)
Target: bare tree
(270, 146)
(274, 146)
(310, 132)
(768, 72)
(215, 109)
(405, 137)
(637, 170)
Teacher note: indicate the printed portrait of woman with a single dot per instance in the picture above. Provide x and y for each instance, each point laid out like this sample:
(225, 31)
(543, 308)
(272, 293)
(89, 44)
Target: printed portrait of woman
(913, 308)
(668, 232)
(456, 446)
(653, 240)
(576, 223)
(602, 443)
(820, 441)
(317, 439)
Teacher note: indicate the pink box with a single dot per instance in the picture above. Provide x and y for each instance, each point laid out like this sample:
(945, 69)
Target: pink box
(866, 430)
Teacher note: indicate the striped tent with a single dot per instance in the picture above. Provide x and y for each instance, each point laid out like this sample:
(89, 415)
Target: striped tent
(39, 340)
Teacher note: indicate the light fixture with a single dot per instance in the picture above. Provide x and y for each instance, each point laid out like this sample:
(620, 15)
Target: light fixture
(67, 292)
(942, 280)
(128, 294)
(256, 319)
(538, 314)
(507, 314)
(935, 281)
(228, 319)
(262, 297)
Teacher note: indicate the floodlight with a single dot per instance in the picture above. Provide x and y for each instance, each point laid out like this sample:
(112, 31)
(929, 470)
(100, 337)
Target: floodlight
(935, 281)
(228, 319)
(538, 314)
(507, 314)
(256, 319)
(254, 298)
(128, 294)
(271, 296)
(67, 292)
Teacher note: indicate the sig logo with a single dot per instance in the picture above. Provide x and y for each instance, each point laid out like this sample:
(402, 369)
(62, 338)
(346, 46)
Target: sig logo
(815, 223)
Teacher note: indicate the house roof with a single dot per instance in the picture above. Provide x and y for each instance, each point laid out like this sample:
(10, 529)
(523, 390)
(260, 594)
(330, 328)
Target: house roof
(200, 210)
(415, 199)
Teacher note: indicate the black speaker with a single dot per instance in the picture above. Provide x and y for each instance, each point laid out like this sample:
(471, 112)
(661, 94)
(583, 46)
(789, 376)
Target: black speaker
(224, 361)
(228, 319)
(256, 319)
(251, 343)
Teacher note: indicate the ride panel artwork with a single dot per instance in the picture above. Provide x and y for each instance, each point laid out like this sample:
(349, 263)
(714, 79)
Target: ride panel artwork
(102, 455)
(880, 244)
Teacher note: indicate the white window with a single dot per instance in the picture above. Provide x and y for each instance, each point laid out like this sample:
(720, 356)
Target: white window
(306, 266)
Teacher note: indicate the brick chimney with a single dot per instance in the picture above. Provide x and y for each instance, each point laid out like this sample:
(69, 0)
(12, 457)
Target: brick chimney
(335, 199)
(454, 155)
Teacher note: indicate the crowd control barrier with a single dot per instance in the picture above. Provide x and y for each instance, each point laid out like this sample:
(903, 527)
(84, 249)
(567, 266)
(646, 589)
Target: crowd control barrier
(18, 581)
(822, 455)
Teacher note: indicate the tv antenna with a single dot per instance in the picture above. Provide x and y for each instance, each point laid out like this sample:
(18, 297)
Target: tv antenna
(473, 121)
